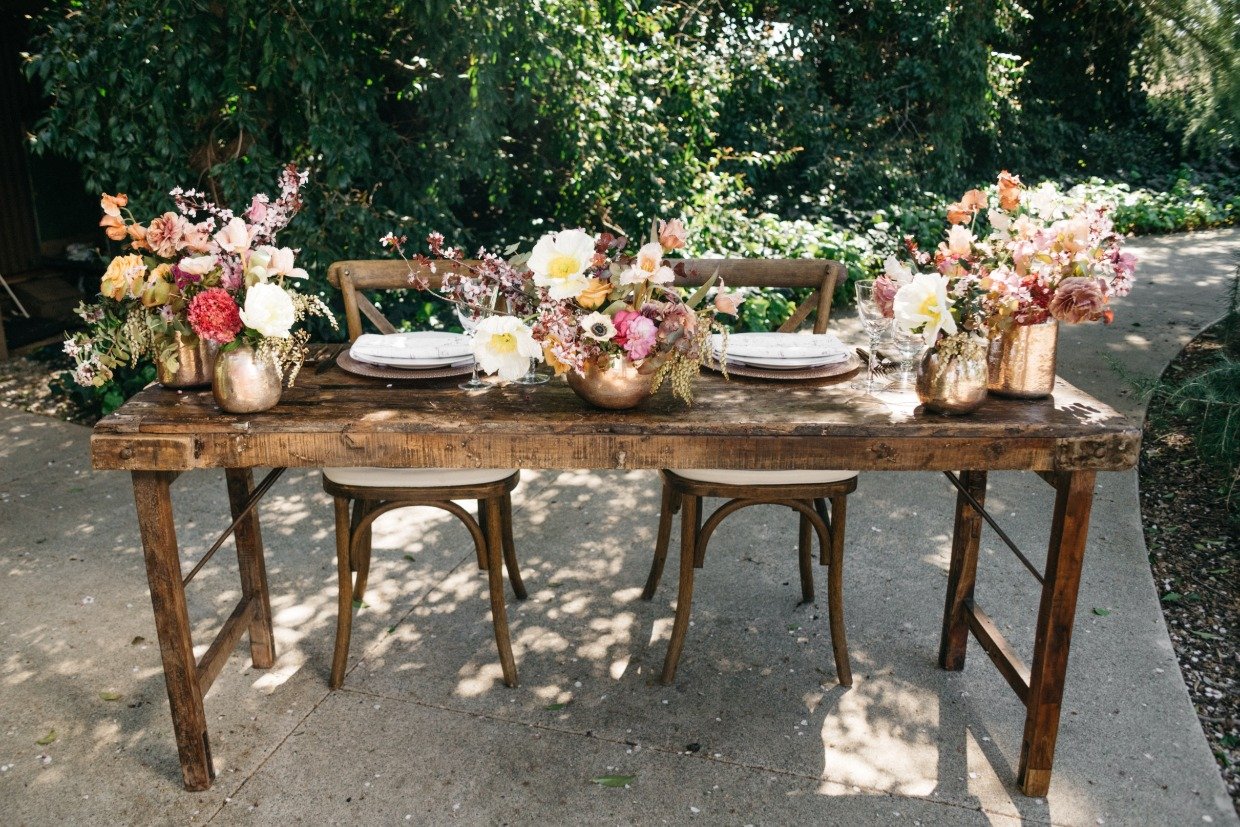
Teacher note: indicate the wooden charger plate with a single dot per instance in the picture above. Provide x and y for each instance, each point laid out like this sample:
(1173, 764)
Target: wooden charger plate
(347, 363)
(844, 368)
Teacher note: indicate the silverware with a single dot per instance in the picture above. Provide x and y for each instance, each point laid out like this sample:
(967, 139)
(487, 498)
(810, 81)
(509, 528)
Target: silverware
(324, 364)
(881, 365)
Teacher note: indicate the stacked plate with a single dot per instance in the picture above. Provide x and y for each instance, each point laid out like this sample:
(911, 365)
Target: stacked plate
(423, 350)
(781, 351)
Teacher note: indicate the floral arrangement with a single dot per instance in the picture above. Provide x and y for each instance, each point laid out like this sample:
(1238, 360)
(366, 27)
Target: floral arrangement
(577, 300)
(220, 279)
(1012, 257)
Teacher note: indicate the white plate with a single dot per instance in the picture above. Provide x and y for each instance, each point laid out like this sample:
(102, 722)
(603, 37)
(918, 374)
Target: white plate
(420, 345)
(782, 345)
(786, 364)
(422, 364)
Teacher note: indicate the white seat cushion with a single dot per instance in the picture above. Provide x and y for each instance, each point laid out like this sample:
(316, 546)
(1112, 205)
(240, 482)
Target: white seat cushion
(727, 476)
(415, 477)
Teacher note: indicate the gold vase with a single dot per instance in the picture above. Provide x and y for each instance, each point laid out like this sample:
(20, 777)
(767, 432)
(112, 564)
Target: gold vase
(245, 382)
(1022, 361)
(952, 382)
(195, 361)
(616, 384)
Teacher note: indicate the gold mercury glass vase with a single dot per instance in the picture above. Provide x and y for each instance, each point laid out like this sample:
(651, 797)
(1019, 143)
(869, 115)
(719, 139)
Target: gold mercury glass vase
(245, 382)
(1022, 361)
(195, 361)
(616, 384)
(951, 378)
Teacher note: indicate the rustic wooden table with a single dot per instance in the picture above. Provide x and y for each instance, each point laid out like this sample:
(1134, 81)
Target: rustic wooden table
(337, 419)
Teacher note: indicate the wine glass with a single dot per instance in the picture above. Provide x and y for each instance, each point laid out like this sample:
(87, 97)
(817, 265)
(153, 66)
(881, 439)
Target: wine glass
(876, 325)
(470, 325)
(908, 347)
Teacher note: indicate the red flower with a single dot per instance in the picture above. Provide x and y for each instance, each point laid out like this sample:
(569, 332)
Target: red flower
(214, 315)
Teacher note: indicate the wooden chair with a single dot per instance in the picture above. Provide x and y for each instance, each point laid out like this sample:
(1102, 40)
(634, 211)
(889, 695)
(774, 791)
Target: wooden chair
(362, 495)
(806, 492)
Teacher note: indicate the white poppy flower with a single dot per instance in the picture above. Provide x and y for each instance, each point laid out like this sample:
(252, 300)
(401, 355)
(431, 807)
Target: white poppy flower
(504, 345)
(598, 326)
(559, 261)
(269, 310)
(922, 306)
(648, 266)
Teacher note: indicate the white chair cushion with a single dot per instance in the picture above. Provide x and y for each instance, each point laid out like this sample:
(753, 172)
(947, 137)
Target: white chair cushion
(415, 477)
(726, 476)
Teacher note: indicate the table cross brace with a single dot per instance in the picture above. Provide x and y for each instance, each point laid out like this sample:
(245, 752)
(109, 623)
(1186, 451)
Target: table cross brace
(976, 506)
(257, 494)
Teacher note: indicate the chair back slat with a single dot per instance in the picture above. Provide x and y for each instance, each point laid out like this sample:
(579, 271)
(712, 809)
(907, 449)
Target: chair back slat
(820, 275)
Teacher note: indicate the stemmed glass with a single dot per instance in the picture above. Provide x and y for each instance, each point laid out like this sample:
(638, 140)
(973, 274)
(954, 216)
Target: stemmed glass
(470, 325)
(908, 346)
(876, 325)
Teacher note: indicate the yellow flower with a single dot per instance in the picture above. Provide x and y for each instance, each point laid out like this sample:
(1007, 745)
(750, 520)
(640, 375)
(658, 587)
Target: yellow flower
(123, 278)
(595, 294)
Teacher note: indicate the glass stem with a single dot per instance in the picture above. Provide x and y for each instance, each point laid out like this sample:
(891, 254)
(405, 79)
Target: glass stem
(871, 363)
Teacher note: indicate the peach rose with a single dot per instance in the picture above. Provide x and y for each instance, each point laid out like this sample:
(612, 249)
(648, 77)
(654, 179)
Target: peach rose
(595, 294)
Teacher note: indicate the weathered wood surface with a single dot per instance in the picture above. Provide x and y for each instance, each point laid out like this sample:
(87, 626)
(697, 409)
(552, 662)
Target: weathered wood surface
(338, 419)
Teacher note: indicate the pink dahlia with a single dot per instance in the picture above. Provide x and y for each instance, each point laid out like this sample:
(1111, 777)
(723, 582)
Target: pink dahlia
(214, 315)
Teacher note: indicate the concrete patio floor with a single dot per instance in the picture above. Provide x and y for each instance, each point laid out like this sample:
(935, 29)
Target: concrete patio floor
(755, 729)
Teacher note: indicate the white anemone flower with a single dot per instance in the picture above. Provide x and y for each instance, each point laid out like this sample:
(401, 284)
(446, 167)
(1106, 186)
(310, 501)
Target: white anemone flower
(921, 306)
(504, 345)
(559, 261)
(598, 326)
(648, 266)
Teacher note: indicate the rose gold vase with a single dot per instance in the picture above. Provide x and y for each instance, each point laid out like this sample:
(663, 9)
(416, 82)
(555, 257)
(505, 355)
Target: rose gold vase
(616, 385)
(195, 361)
(1021, 362)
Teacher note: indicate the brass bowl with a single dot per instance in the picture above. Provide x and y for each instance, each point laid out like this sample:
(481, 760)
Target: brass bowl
(245, 382)
(615, 385)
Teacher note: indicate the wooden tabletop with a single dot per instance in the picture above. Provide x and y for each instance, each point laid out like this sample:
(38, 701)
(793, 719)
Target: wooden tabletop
(335, 418)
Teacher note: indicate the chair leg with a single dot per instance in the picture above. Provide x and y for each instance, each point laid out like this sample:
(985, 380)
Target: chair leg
(344, 612)
(684, 594)
(699, 552)
(835, 590)
(493, 529)
(482, 521)
(805, 556)
(360, 549)
(510, 548)
(666, 509)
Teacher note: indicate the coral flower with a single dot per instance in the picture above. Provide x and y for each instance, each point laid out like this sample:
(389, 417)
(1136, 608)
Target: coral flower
(214, 315)
(1009, 191)
(595, 294)
(672, 234)
(111, 204)
(113, 227)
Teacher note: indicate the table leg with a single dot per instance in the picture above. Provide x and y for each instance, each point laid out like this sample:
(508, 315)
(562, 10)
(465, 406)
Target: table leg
(249, 541)
(153, 498)
(1069, 528)
(962, 571)
(689, 517)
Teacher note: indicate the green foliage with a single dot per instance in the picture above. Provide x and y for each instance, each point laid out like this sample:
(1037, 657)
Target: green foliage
(1212, 398)
(93, 402)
